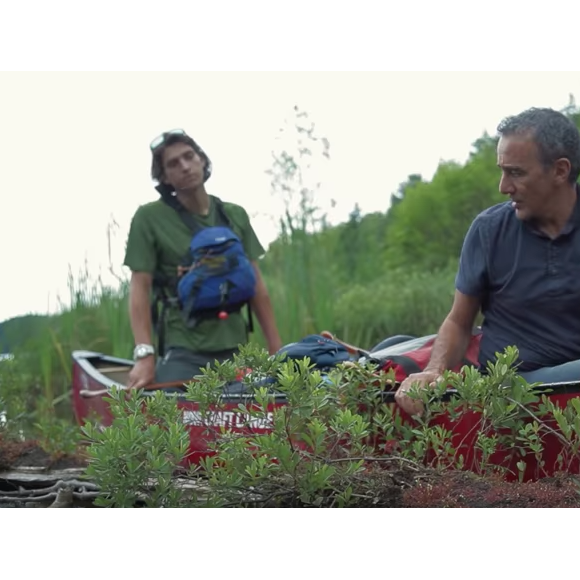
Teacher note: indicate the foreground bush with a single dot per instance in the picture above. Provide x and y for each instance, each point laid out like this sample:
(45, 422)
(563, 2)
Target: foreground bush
(338, 440)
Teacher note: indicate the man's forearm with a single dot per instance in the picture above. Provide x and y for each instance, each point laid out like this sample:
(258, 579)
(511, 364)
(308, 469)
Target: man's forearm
(140, 315)
(449, 347)
(262, 306)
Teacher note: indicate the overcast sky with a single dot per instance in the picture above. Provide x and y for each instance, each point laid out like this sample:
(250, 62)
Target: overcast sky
(75, 156)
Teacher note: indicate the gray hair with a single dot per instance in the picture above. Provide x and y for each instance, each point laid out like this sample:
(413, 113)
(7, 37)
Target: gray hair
(555, 135)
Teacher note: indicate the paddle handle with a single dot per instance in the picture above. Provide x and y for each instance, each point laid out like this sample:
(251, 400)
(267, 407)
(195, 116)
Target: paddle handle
(87, 394)
(349, 347)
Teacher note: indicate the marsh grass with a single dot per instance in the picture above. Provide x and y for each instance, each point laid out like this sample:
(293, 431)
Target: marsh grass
(305, 297)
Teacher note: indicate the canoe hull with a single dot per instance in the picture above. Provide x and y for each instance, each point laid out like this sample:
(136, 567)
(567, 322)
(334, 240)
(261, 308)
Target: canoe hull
(95, 372)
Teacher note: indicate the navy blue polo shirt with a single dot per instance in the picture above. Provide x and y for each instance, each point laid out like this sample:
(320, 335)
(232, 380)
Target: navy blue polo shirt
(529, 285)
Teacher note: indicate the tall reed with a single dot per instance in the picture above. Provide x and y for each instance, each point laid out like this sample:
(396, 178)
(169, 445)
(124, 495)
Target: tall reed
(318, 278)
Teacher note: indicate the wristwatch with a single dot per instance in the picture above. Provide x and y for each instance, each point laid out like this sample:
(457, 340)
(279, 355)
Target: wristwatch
(143, 351)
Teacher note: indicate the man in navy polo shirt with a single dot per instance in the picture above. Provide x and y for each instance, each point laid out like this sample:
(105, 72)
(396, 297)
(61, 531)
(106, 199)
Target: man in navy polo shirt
(520, 262)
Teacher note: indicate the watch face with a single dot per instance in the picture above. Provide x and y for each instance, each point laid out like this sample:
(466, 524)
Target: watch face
(142, 351)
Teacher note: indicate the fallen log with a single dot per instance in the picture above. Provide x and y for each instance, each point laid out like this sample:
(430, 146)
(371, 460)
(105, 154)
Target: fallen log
(39, 487)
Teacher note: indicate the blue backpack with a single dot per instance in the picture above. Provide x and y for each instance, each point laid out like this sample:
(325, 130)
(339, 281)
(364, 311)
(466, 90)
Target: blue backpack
(221, 278)
(323, 352)
(324, 355)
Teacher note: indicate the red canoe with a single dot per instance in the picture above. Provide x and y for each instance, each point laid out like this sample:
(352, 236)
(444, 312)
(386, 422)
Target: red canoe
(95, 374)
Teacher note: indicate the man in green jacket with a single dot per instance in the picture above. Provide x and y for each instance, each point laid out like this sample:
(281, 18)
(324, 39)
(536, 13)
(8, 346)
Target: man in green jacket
(159, 238)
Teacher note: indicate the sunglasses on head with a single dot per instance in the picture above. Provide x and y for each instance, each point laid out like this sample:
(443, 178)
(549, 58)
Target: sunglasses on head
(158, 141)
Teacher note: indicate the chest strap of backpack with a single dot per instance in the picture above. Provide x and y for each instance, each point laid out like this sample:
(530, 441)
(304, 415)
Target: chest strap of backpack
(161, 301)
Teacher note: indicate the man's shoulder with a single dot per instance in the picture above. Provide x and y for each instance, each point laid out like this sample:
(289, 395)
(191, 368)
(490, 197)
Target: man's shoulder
(236, 212)
(149, 208)
(499, 210)
(497, 215)
(152, 211)
(489, 226)
(230, 206)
